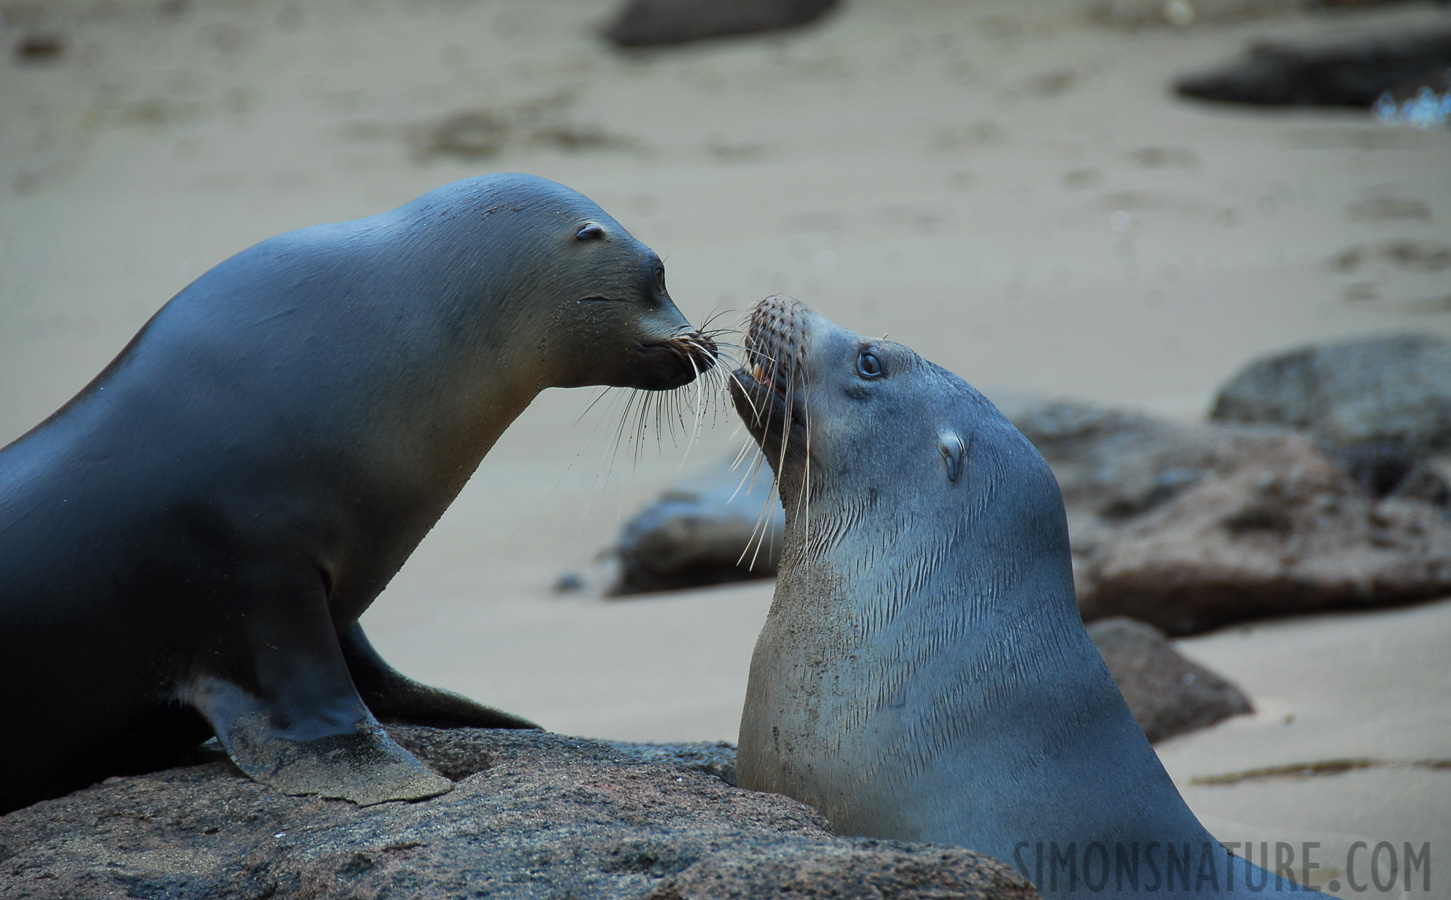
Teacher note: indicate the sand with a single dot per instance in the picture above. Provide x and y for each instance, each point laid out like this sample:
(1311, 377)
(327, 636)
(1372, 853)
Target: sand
(1009, 188)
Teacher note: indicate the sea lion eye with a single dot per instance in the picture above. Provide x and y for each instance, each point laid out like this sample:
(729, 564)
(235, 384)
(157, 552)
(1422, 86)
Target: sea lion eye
(660, 279)
(868, 365)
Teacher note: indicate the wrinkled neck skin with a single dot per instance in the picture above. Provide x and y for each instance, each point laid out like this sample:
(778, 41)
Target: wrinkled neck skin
(924, 674)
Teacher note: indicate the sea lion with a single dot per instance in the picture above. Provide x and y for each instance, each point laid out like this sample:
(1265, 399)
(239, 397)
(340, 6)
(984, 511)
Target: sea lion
(923, 673)
(186, 546)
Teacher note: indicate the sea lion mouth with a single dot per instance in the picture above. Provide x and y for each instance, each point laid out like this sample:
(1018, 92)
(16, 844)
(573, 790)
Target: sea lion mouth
(769, 389)
(762, 402)
(679, 359)
(768, 417)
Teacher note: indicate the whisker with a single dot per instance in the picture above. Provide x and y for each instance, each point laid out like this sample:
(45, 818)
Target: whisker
(760, 531)
(601, 396)
(699, 411)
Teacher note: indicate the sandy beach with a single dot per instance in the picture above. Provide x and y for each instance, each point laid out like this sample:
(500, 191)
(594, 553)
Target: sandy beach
(1011, 189)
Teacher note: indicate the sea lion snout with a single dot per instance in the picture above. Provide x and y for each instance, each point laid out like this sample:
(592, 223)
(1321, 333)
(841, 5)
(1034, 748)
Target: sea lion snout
(768, 390)
(619, 293)
(676, 360)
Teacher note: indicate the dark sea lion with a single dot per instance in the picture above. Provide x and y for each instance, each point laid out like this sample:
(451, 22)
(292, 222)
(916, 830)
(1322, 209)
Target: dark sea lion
(187, 545)
(923, 673)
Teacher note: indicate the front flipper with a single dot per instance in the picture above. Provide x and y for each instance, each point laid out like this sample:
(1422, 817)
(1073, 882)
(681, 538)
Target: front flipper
(395, 697)
(287, 713)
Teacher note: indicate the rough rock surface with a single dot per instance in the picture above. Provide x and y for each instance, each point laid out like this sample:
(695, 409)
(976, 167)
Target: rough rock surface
(644, 23)
(1346, 73)
(533, 815)
(1167, 693)
(1385, 470)
(1394, 390)
(1113, 465)
(1191, 527)
(1274, 537)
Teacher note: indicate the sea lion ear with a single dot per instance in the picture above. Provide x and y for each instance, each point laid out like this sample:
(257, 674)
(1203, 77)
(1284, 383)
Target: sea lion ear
(954, 452)
(590, 231)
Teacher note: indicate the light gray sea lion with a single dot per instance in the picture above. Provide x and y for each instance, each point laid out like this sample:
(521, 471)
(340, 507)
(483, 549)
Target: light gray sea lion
(187, 545)
(923, 673)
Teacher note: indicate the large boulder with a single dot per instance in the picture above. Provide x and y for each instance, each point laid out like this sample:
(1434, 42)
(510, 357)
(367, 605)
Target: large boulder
(1273, 537)
(1113, 465)
(1167, 693)
(1393, 390)
(1189, 527)
(533, 815)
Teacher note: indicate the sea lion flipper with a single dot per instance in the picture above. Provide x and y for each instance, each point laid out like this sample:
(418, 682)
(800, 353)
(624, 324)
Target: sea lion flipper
(395, 697)
(296, 722)
(361, 764)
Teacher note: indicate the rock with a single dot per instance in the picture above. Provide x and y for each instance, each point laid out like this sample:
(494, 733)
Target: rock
(1113, 465)
(1353, 72)
(1189, 527)
(1181, 13)
(1423, 483)
(646, 23)
(845, 873)
(718, 759)
(1385, 470)
(1394, 389)
(1117, 464)
(703, 532)
(540, 816)
(39, 47)
(1271, 538)
(1167, 693)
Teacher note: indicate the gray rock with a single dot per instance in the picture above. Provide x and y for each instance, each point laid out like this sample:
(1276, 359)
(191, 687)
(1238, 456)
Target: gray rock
(883, 871)
(718, 759)
(1385, 470)
(1276, 536)
(1167, 693)
(1351, 72)
(1113, 465)
(702, 532)
(1190, 527)
(534, 815)
(1392, 390)
(1117, 464)
(646, 23)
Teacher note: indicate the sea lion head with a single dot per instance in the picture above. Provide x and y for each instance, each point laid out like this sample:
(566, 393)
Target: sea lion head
(627, 295)
(848, 421)
(598, 309)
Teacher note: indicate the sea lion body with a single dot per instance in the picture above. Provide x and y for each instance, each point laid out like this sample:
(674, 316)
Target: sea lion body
(187, 545)
(923, 673)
